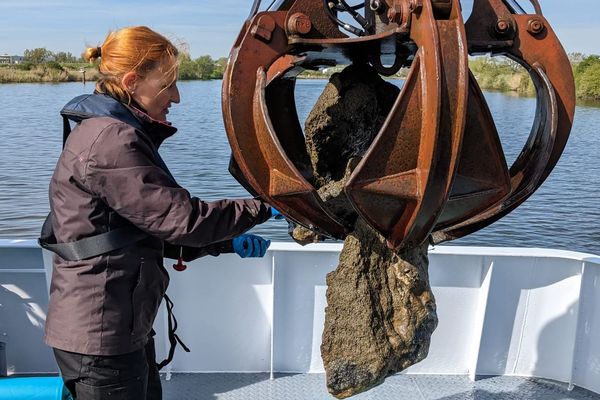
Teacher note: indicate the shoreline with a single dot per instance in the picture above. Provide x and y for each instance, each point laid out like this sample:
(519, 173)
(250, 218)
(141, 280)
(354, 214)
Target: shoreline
(492, 77)
(51, 72)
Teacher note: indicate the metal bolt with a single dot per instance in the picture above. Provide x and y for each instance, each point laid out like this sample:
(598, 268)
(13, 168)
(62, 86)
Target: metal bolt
(375, 5)
(264, 28)
(502, 26)
(299, 24)
(535, 26)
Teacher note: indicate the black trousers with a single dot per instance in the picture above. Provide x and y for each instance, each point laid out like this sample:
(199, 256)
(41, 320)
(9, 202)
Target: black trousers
(132, 376)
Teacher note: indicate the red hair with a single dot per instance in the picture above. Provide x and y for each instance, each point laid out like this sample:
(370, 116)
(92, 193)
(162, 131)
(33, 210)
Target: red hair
(138, 49)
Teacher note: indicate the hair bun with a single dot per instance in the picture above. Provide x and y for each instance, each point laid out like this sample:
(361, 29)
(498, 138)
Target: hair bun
(91, 54)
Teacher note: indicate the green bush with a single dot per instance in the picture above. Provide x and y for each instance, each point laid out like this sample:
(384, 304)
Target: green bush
(585, 63)
(501, 74)
(526, 85)
(201, 68)
(26, 66)
(588, 83)
(54, 65)
(78, 65)
(187, 70)
(587, 78)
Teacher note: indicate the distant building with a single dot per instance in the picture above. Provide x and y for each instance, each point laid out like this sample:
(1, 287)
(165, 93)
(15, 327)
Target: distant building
(6, 59)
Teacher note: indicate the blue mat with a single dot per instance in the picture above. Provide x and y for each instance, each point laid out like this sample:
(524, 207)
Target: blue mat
(33, 388)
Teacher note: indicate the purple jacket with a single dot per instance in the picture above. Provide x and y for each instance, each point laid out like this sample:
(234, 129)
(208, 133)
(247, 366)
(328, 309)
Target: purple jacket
(109, 175)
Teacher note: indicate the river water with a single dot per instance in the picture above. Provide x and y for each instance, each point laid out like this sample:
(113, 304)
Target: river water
(563, 213)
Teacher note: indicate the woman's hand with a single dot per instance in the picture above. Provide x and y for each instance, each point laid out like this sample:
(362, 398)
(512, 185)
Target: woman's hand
(275, 214)
(248, 245)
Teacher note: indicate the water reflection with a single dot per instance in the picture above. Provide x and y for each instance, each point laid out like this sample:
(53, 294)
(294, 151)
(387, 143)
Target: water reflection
(562, 214)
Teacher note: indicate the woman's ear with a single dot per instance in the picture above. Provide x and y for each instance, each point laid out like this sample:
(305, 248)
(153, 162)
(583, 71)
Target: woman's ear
(129, 81)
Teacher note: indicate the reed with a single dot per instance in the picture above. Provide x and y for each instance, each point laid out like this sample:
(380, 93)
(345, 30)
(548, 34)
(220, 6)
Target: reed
(498, 74)
(44, 73)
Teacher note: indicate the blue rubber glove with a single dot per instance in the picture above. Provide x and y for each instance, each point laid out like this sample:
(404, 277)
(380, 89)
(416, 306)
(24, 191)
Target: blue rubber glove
(248, 245)
(276, 214)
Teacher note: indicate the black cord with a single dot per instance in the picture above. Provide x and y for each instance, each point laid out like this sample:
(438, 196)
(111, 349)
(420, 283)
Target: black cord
(173, 337)
(514, 6)
(357, 17)
(339, 22)
(271, 5)
(356, 7)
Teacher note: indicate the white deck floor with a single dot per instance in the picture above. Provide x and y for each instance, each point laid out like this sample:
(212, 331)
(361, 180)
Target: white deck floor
(398, 387)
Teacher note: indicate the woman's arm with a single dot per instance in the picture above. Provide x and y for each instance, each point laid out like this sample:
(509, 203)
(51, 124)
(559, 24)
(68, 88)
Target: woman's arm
(191, 253)
(124, 171)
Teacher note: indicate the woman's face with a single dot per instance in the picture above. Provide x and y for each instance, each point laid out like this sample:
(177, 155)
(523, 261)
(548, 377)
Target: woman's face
(155, 92)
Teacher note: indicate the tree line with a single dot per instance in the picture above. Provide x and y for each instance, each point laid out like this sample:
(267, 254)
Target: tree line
(587, 77)
(503, 74)
(492, 73)
(42, 55)
(204, 67)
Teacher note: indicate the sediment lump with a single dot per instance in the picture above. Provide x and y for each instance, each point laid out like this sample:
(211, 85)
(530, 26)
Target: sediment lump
(380, 313)
(380, 310)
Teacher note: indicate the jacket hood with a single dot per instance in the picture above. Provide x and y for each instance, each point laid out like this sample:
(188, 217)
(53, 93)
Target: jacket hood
(102, 105)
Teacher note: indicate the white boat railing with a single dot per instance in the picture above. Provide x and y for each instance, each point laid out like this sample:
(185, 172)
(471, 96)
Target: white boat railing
(502, 311)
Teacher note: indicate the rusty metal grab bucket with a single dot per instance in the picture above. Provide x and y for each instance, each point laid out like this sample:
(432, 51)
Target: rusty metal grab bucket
(436, 167)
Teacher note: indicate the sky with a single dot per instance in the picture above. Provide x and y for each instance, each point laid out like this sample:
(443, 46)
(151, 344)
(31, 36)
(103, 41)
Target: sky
(207, 26)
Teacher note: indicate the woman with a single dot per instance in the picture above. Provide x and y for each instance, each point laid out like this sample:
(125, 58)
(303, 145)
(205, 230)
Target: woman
(110, 178)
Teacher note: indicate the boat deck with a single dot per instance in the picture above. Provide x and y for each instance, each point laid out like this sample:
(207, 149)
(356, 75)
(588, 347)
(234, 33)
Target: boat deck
(503, 312)
(398, 387)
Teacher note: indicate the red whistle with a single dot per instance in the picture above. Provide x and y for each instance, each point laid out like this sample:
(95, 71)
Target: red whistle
(180, 266)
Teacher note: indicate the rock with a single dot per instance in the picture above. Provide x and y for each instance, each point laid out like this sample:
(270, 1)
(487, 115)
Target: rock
(380, 313)
(339, 129)
(346, 119)
(380, 310)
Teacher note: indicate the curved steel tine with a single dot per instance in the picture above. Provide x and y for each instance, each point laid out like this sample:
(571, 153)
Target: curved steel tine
(281, 104)
(550, 70)
(455, 91)
(239, 81)
(482, 177)
(287, 189)
(255, 147)
(524, 181)
(404, 179)
(386, 186)
(548, 64)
